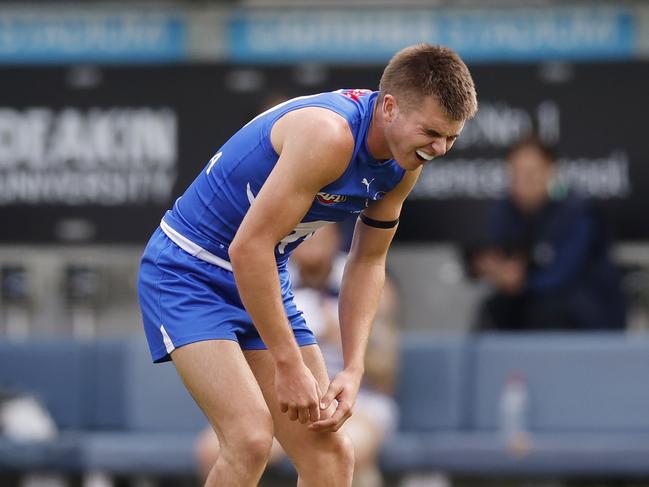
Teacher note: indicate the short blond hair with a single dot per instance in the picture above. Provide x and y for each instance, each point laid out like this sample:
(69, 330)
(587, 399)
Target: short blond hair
(423, 70)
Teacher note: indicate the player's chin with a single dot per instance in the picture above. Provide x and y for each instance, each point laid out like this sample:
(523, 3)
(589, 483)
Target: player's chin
(410, 163)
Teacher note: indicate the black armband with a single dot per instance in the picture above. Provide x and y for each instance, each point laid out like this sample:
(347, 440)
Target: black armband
(378, 223)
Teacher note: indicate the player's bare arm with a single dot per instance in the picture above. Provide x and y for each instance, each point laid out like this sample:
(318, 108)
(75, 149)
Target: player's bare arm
(315, 146)
(359, 297)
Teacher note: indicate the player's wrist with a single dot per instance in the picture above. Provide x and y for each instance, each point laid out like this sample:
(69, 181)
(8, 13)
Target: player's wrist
(355, 369)
(287, 357)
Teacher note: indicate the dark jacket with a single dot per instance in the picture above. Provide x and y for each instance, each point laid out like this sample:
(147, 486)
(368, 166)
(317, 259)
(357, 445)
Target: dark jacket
(569, 268)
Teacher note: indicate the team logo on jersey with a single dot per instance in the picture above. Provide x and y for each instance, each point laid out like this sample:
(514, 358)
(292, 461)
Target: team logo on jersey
(367, 183)
(330, 199)
(355, 94)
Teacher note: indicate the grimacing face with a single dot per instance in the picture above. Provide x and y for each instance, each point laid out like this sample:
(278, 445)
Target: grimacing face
(417, 134)
(530, 174)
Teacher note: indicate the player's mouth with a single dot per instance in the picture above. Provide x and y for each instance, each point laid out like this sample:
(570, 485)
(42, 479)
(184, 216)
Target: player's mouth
(424, 156)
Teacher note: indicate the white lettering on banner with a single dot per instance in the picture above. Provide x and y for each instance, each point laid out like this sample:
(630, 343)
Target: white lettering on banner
(499, 124)
(530, 29)
(87, 156)
(117, 137)
(600, 178)
(71, 31)
(548, 120)
(489, 33)
(82, 188)
(300, 31)
(607, 177)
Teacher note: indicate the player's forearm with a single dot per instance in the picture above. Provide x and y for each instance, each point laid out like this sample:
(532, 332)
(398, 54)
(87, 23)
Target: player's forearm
(255, 272)
(359, 299)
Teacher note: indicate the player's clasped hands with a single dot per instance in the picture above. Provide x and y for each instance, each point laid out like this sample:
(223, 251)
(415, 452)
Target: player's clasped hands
(300, 397)
(343, 390)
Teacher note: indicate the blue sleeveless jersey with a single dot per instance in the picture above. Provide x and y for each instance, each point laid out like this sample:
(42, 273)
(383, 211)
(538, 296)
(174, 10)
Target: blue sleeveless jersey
(210, 211)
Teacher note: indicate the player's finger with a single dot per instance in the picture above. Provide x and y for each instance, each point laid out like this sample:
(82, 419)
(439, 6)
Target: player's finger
(303, 414)
(342, 413)
(342, 420)
(332, 392)
(323, 424)
(314, 412)
(292, 413)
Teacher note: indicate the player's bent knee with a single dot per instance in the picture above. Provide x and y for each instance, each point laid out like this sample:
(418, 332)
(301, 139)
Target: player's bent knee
(345, 451)
(339, 455)
(250, 450)
(257, 447)
(248, 442)
(335, 454)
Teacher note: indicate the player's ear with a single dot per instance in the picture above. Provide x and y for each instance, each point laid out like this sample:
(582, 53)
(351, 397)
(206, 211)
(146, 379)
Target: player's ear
(389, 108)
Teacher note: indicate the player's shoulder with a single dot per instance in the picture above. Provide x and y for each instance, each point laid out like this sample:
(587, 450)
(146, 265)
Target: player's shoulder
(322, 118)
(320, 126)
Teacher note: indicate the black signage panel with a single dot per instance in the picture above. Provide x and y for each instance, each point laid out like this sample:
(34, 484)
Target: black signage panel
(98, 154)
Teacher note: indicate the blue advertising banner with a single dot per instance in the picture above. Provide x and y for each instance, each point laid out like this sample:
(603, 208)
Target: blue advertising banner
(29, 37)
(494, 34)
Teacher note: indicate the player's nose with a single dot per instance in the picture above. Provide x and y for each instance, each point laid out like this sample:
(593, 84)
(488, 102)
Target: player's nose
(439, 146)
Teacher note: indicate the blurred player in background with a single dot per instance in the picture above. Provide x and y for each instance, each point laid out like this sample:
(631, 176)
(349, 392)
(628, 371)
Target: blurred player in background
(547, 254)
(214, 289)
(317, 269)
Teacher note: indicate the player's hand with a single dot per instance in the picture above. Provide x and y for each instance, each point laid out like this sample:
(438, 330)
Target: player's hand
(344, 389)
(298, 392)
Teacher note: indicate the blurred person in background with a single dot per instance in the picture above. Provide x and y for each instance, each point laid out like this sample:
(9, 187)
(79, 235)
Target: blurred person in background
(546, 254)
(213, 285)
(317, 269)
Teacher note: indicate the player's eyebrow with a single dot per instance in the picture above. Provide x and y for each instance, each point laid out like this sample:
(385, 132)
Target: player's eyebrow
(435, 133)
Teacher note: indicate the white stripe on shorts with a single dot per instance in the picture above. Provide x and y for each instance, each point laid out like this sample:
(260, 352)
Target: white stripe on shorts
(167, 341)
(193, 249)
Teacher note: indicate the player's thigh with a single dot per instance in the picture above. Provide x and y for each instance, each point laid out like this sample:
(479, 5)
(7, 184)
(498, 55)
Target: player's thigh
(218, 377)
(296, 439)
